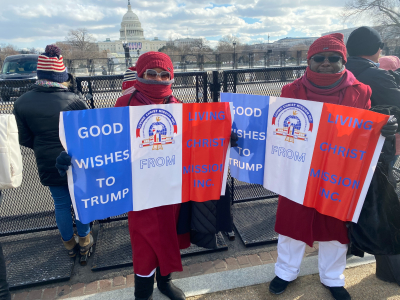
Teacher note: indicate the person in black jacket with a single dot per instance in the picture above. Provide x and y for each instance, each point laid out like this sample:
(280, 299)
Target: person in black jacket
(37, 113)
(364, 47)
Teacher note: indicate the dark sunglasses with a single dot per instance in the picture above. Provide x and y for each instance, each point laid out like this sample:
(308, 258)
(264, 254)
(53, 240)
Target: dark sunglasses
(381, 45)
(152, 74)
(320, 58)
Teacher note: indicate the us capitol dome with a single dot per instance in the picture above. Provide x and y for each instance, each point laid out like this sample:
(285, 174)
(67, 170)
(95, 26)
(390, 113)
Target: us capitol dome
(132, 33)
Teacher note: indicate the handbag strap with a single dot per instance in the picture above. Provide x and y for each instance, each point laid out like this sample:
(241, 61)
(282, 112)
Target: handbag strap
(130, 98)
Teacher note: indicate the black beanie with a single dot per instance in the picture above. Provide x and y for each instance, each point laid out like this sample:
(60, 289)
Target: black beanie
(364, 41)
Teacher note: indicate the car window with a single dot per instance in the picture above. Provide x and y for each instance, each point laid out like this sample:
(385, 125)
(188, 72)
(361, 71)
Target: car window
(19, 66)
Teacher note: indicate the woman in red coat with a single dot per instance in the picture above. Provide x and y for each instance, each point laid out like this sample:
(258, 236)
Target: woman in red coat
(154, 239)
(326, 80)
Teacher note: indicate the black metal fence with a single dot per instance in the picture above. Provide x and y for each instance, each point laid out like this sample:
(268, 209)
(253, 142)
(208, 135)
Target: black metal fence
(30, 208)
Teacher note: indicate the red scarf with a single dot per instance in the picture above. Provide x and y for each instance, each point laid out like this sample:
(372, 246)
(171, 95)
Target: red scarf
(333, 95)
(146, 101)
(157, 93)
(322, 79)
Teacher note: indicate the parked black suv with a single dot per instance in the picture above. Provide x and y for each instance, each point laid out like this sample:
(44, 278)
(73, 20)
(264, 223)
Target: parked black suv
(21, 66)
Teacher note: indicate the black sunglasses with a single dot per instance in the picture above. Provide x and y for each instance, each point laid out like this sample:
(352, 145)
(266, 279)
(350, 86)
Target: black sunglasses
(381, 45)
(320, 58)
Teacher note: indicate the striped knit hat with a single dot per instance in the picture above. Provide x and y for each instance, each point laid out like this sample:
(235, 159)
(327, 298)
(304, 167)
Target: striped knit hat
(129, 78)
(50, 65)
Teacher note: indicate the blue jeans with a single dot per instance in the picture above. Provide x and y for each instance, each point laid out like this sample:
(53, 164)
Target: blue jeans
(394, 160)
(62, 203)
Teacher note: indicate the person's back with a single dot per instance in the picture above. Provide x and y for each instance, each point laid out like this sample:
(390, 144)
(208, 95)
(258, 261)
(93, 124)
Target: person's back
(39, 109)
(364, 47)
(37, 113)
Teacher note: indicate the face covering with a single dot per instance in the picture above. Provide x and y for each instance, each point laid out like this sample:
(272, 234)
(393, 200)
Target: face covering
(322, 79)
(156, 91)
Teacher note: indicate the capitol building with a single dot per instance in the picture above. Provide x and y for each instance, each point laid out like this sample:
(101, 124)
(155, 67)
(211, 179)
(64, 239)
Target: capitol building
(131, 32)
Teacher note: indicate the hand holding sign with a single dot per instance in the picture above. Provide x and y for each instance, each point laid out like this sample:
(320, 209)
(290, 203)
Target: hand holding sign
(63, 162)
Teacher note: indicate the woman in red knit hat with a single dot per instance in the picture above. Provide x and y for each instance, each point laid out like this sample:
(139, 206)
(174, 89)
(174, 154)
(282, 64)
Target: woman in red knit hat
(325, 80)
(154, 239)
(155, 242)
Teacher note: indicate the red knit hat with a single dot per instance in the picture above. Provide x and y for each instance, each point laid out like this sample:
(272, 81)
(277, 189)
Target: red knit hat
(151, 60)
(329, 43)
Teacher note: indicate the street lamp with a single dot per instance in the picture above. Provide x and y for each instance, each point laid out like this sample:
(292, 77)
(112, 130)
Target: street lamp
(234, 54)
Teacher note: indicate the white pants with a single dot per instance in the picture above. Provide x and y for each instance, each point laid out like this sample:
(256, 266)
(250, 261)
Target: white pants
(331, 260)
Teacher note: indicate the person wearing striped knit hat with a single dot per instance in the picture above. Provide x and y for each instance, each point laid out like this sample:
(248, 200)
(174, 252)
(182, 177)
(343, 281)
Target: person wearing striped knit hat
(37, 113)
(128, 81)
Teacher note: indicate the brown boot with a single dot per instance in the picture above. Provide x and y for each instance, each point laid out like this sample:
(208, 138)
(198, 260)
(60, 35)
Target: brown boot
(71, 246)
(85, 243)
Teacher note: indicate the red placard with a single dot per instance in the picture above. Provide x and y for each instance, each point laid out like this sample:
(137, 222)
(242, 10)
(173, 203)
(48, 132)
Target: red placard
(343, 151)
(206, 136)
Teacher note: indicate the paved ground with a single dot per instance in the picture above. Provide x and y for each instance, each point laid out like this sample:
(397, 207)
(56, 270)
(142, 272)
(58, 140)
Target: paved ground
(241, 278)
(361, 283)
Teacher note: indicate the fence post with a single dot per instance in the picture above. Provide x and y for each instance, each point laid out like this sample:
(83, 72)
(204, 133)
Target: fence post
(269, 58)
(234, 82)
(183, 63)
(298, 57)
(205, 87)
(197, 88)
(283, 58)
(109, 66)
(91, 93)
(200, 61)
(215, 86)
(217, 61)
(225, 81)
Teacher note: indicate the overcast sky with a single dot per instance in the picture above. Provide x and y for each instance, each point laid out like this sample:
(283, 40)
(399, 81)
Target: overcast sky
(36, 23)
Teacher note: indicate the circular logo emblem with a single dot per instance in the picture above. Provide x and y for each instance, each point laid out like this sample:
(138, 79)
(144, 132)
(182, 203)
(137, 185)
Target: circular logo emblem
(292, 121)
(156, 128)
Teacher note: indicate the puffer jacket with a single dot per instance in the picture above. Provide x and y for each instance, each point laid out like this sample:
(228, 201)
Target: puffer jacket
(384, 85)
(38, 113)
(205, 219)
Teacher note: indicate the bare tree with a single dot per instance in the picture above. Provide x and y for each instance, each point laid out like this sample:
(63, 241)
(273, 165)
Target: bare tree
(201, 45)
(81, 39)
(66, 50)
(80, 44)
(8, 50)
(225, 44)
(33, 50)
(383, 13)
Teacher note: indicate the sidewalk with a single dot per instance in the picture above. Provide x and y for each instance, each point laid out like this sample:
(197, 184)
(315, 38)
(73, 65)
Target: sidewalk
(241, 278)
(361, 283)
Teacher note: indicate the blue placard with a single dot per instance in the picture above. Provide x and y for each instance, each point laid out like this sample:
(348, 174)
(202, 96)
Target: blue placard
(250, 123)
(102, 159)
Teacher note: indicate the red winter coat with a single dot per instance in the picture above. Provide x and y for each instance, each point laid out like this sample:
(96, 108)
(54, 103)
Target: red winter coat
(304, 223)
(154, 240)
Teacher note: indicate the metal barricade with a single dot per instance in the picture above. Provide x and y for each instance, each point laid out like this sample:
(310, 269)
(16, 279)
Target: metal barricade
(30, 207)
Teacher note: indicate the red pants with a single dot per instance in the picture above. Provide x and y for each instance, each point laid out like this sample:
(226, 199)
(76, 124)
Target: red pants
(155, 242)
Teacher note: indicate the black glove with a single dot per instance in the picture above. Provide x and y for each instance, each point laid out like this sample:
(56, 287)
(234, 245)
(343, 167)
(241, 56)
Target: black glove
(234, 139)
(63, 162)
(390, 128)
